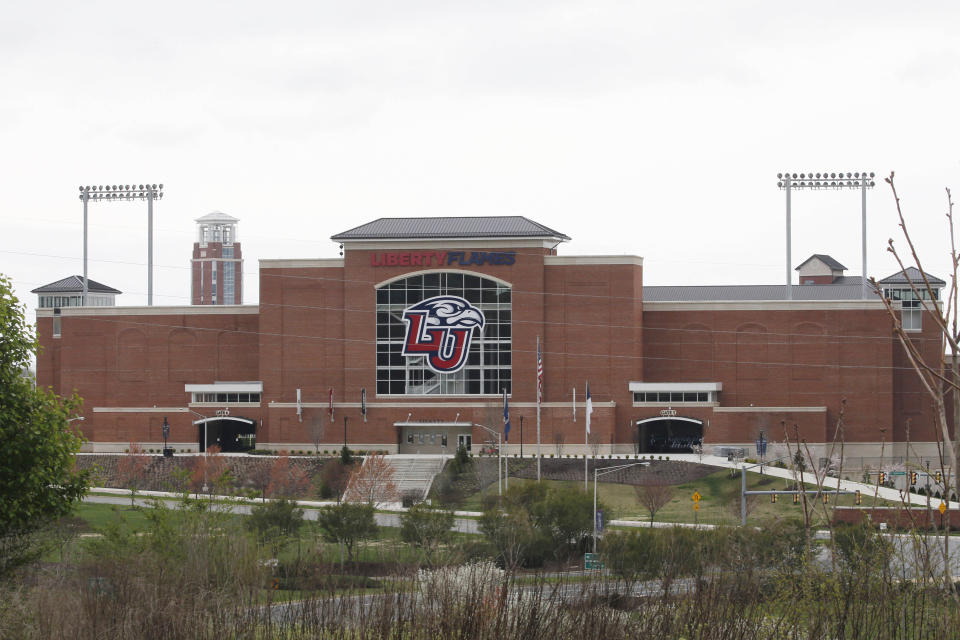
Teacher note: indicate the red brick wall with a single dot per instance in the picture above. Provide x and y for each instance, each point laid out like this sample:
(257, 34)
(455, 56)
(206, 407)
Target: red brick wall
(781, 359)
(316, 331)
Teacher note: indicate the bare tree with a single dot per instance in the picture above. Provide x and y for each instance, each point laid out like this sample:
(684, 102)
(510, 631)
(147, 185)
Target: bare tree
(594, 440)
(132, 470)
(558, 441)
(374, 481)
(286, 480)
(316, 429)
(654, 497)
(939, 372)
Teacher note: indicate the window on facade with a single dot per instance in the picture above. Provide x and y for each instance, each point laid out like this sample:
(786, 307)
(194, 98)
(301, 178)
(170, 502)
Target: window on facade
(671, 397)
(911, 305)
(225, 398)
(488, 368)
(228, 282)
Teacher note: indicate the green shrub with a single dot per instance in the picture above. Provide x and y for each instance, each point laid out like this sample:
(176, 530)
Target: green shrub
(275, 520)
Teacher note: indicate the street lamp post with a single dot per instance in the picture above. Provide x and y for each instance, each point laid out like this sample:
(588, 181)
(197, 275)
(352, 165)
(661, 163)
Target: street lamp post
(828, 180)
(148, 192)
(205, 442)
(596, 474)
(499, 457)
(165, 429)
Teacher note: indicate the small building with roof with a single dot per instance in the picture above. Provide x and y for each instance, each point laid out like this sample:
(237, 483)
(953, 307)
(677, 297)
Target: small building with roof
(68, 292)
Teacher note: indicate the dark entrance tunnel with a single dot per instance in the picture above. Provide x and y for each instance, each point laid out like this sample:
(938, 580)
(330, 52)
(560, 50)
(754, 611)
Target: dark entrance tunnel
(668, 435)
(228, 433)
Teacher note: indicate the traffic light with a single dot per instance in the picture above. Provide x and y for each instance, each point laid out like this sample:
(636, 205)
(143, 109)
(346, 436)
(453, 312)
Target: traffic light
(773, 498)
(796, 498)
(857, 498)
(883, 477)
(939, 477)
(913, 477)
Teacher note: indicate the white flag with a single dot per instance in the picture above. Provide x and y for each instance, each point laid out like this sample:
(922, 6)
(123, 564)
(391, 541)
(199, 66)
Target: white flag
(589, 408)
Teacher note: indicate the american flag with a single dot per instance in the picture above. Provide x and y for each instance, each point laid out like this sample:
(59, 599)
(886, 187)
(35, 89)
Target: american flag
(539, 373)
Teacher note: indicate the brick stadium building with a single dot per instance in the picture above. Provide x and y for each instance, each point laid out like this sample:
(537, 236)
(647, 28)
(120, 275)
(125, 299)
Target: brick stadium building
(412, 336)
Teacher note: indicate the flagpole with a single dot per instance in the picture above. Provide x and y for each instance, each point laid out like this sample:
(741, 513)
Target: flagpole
(586, 446)
(539, 366)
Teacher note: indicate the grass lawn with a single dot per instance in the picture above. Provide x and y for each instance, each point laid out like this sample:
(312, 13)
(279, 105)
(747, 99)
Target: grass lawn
(97, 516)
(719, 503)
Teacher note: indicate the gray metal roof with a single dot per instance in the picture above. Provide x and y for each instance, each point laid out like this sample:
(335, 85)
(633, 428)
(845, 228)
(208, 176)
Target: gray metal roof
(450, 227)
(915, 275)
(217, 216)
(825, 259)
(850, 289)
(74, 284)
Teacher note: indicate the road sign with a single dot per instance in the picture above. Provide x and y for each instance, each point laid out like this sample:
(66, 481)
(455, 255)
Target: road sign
(696, 506)
(592, 561)
(275, 583)
(696, 496)
(943, 508)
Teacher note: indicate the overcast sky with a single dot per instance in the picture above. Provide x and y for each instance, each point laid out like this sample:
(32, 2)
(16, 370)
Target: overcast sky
(655, 128)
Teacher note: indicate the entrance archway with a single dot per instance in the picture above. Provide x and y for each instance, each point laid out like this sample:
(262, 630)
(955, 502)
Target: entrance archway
(230, 433)
(668, 435)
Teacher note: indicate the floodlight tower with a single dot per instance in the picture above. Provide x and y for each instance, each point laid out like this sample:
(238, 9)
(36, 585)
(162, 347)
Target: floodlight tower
(839, 180)
(148, 192)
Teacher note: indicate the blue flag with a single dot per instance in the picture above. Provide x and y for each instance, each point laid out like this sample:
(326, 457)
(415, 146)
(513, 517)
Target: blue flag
(506, 418)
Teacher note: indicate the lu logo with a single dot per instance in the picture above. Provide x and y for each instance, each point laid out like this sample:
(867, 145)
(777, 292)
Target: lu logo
(441, 328)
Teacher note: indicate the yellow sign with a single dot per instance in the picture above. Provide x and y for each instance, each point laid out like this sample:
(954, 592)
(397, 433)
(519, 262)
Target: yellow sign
(696, 496)
(696, 506)
(943, 508)
(275, 583)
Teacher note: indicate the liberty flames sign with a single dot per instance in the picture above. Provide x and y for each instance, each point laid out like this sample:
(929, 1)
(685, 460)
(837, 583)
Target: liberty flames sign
(441, 328)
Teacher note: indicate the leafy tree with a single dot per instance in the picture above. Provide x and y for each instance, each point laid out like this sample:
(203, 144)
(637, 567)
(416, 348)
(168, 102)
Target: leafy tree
(567, 519)
(513, 535)
(276, 521)
(347, 524)
(335, 478)
(461, 460)
(535, 521)
(38, 482)
(426, 528)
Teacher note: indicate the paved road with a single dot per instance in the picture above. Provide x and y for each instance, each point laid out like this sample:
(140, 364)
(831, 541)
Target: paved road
(463, 525)
(338, 608)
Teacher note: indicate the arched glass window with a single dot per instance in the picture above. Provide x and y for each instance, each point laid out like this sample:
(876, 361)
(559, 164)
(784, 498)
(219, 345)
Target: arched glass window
(487, 371)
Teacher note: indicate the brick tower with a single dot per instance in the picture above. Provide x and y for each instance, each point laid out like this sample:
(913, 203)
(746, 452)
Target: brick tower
(217, 263)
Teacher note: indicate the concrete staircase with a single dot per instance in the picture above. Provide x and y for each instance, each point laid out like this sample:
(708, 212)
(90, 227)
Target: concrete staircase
(413, 474)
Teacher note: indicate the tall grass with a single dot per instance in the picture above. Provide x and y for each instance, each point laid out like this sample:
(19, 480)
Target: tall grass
(196, 574)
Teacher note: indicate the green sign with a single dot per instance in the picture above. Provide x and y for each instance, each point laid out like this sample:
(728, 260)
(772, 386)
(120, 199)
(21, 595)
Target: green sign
(592, 561)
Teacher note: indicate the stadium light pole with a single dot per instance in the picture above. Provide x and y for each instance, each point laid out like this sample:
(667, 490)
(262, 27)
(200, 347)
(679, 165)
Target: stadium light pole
(829, 180)
(148, 192)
